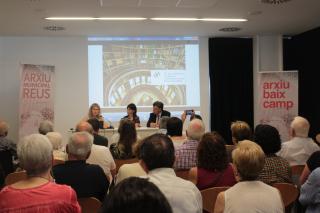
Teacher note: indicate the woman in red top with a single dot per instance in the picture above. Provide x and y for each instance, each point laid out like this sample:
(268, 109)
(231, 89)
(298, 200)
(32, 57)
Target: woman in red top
(38, 193)
(213, 168)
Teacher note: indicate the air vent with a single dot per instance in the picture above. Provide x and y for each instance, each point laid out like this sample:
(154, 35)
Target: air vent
(54, 28)
(274, 1)
(230, 29)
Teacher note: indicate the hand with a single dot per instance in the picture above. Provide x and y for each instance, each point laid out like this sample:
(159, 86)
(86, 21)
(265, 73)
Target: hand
(154, 125)
(183, 116)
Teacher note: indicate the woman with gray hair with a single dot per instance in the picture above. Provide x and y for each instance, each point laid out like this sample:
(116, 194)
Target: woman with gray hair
(38, 192)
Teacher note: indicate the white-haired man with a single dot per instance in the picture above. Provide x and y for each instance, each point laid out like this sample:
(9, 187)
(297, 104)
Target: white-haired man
(300, 147)
(186, 154)
(87, 180)
(45, 127)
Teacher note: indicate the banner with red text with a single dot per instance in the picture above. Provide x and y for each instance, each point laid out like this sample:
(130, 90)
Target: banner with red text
(278, 100)
(36, 97)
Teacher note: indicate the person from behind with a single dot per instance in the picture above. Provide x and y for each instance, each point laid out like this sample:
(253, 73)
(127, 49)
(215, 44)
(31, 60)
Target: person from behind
(276, 169)
(300, 147)
(249, 195)
(163, 124)
(240, 131)
(157, 113)
(310, 192)
(95, 112)
(98, 139)
(136, 195)
(56, 140)
(312, 163)
(37, 193)
(186, 154)
(132, 114)
(174, 130)
(157, 158)
(213, 168)
(127, 139)
(45, 127)
(88, 180)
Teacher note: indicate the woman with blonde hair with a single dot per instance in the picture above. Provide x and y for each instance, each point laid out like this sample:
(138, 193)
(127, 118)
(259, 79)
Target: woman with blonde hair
(95, 112)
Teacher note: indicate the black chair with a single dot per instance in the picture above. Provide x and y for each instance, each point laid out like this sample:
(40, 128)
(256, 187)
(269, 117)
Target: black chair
(6, 162)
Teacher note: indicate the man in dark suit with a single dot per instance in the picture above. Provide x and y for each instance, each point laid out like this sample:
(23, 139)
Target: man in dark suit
(157, 113)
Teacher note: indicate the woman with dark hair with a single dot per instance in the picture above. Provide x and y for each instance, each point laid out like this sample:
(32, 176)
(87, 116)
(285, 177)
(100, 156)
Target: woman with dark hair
(276, 168)
(174, 130)
(136, 195)
(132, 114)
(127, 138)
(213, 168)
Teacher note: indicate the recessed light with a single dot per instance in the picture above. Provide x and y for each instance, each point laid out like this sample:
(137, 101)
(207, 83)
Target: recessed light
(54, 28)
(174, 19)
(230, 29)
(200, 19)
(274, 1)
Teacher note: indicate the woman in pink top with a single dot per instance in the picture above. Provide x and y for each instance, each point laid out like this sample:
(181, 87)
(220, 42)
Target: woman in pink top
(212, 168)
(38, 193)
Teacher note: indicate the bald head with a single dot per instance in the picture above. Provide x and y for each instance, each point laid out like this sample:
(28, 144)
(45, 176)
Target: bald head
(195, 129)
(84, 126)
(79, 145)
(300, 127)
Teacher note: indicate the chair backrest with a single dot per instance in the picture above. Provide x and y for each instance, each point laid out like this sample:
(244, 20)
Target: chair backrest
(57, 162)
(184, 173)
(6, 162)
(89, 204)
(296, 173)
(209, 197)
(15, 177)
(120, 162)
(288, 191)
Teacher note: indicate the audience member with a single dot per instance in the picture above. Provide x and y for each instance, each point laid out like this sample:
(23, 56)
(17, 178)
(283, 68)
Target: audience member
(312, 163)
(95, 112)
(240, 131)
(213, 168)
(45, 127)
(249, 195)
(310, 192)
(132, 114)
(98, 139)
(56, 140)
(87, 180)
(157, 154)
(174, 130)
(38, 193)
(136, 195)
(8, 149)
(276, 169)
(100, 155)
(300, 147)
(163, 124)
(127, 139)
(186, 154)
(157, 113)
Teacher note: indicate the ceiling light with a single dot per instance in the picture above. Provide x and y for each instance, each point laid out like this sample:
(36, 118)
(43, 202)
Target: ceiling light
(199, 19)
(274, 1)
(230, 29)
(174, 19)
(97, 18)
(224, 19)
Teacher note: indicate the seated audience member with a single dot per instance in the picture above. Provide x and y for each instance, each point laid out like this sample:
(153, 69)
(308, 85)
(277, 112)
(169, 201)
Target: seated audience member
(100, 155)
(56, 140)
(132, 114)
(310, 192)
(312, 163)
(87, 180)
(249, 195)
(174, 130)
(127, 139)
(95, 112)
(276, 169)
(157, 155)
(213, 168)
(240, 131)
(8, 149)
(300, 147)
(45, 127)
(131, 169)
(186, 154)
(157, 113)
(136, 195)
(98, 139)
(163, 124)
(38, 193)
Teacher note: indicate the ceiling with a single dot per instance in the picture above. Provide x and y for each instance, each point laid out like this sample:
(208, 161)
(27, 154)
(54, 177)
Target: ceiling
(26, 17)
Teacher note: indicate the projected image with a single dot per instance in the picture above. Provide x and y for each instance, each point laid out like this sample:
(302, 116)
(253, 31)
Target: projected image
(144, 73)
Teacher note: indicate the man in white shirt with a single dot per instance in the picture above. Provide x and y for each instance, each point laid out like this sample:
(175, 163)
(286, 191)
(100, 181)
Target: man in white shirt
(300, 147)
(100, 155)
(157, 158)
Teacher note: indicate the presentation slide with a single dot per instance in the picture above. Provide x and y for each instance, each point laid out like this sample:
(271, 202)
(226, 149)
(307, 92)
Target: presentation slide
(142, 70)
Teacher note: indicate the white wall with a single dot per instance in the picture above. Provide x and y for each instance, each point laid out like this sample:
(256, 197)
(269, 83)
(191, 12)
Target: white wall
(69, 56)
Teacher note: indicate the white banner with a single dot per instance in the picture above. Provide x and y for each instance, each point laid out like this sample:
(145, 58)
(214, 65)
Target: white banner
(36, 97)
(278, 100)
